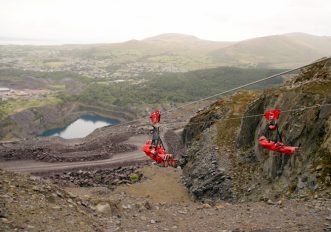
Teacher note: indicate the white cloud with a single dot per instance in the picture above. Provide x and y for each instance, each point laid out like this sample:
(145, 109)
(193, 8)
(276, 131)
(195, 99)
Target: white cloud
(119, 20)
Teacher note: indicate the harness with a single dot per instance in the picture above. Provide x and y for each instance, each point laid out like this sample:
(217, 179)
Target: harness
(154, 148)
(277, 144)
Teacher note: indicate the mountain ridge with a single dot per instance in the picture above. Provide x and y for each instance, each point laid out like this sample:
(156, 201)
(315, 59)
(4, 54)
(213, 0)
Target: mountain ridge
(276, 50)
(173, 52)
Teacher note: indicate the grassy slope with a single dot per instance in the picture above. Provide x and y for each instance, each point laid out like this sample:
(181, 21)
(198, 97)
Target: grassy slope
(289, 50)
(177, 88)
(14, 106)
(55, 81)
(280, 51)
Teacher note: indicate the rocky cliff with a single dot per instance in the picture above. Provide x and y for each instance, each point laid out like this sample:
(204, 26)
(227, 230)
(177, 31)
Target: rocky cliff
(224, 161)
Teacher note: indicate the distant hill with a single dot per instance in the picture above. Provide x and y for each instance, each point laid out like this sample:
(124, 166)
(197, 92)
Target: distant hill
(286, 50)
(182, 51)
(169, 44)
(169, 53)
(174, 41)
(190, 52)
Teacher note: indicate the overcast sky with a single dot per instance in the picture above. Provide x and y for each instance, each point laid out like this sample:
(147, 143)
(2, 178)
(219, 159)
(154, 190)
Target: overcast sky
(93, 21)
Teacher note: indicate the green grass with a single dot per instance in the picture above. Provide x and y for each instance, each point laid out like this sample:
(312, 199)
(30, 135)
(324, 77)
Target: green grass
(19, 75)
(319, 88)
(57, 87)
(134, 177)
(14, 106)
(173, 88)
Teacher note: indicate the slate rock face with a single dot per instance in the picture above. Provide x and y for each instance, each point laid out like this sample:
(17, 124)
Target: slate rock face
(204, 176)
(302, 128)
(207, 180)
(223, 160)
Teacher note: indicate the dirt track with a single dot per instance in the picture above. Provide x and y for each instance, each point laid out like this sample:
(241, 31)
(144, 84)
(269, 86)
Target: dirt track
(30, 166)
(96, 147)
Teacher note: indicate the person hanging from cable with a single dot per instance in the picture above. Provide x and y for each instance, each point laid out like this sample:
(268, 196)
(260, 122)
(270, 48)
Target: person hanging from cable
(155, 119)
(154, 148)
(277, 144)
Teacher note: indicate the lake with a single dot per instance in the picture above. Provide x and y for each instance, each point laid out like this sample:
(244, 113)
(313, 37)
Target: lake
(80, 128)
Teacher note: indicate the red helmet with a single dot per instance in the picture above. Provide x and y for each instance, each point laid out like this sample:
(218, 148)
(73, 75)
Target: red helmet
(155, 116)
(272, 114)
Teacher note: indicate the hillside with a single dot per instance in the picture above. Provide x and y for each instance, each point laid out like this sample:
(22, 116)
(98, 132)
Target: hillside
(98, 198)
(166, 53)
(224, 160)
(31, 204)
(177, 88)
(288, 50)
(68, 95)
(173, 42)
(226, 183)
(28, 203)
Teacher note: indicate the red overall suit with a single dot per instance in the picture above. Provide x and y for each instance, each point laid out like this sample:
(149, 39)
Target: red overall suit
(154, 148)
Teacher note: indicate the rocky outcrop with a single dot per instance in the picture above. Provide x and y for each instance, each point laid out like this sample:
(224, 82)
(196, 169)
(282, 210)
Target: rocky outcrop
(109, 178)
(308, 172)
(207, 161)
(30, 122)
(217, 139)
(174, 143)
(29, 203)
(205, 177)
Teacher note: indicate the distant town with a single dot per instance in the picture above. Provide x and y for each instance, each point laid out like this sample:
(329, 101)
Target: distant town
(52, 60)
(23, 94)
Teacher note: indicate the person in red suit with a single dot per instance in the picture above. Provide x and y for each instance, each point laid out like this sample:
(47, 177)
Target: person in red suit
(276, 145)
(154, 148)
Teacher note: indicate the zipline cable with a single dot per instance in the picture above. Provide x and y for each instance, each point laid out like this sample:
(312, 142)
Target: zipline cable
(249, 116)
(245, 85)
(225, 92)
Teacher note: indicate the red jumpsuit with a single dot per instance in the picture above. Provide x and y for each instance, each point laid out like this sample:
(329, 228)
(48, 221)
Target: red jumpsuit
(157, 154)
(154, 148)
(279, 147)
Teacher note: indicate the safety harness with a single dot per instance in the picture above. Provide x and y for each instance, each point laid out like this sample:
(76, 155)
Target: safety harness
(276, 145)
(154, 148)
